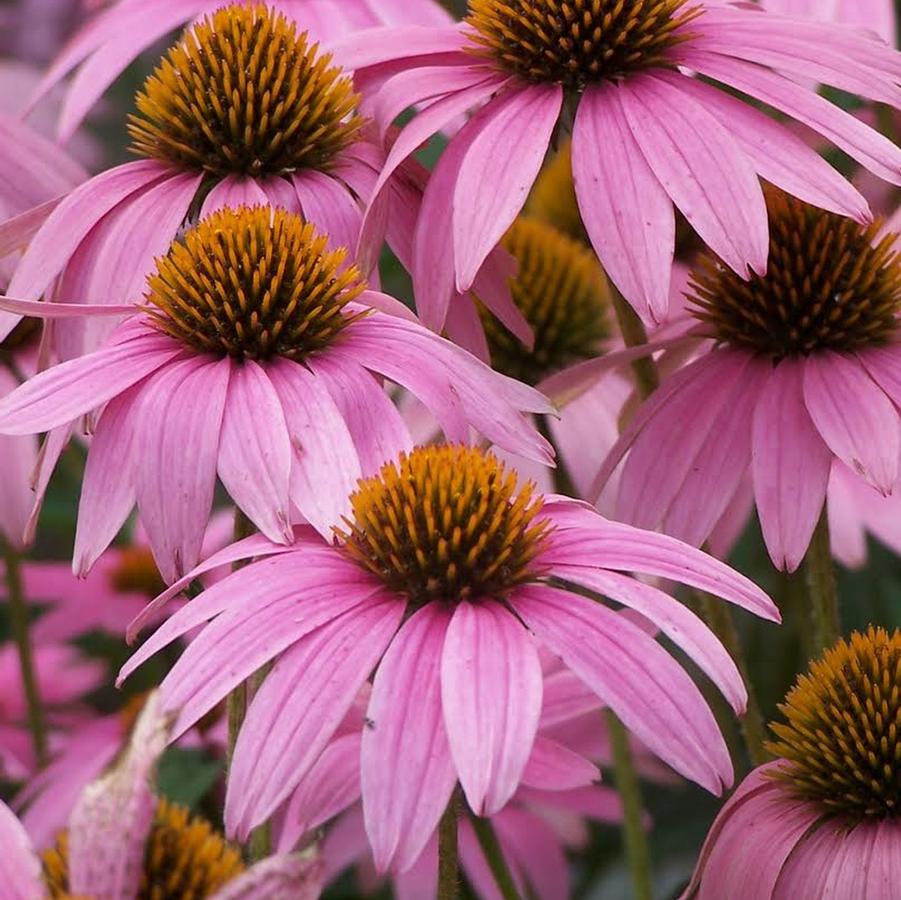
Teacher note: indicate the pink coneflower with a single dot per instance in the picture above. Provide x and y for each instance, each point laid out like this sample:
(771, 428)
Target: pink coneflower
(277, 124)
(646, 135)
(117, 35)
(122, 841)
(447, 579)
(822, 819)
(794, 370)
(871, 15)
(258, 351)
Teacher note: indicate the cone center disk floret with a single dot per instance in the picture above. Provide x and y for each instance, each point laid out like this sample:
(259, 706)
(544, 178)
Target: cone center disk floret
(244, 94)
(252, 283)
(446, 523)
(841, 740)
(184, 859)
(831, 284)
(579, 42)
(560, 290)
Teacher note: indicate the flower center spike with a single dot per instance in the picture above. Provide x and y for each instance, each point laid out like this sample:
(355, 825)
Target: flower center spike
(578, 42)
(842, 739)
(560, 289)
(244, 93)
(184, 859)
(830, 285)
(252, 283)
(446, 523)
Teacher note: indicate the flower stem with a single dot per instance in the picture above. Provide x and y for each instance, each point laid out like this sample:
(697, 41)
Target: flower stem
(819, 581)
(647, 379)
(718, 616)
(18, 620)
(634, 836)
(494, 856)
(448, 855)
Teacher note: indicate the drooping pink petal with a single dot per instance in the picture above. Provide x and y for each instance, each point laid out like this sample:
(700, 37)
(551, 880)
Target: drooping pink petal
(566, 697)
(110, 823)
(254, 460)
(331, 208)
(177, 437)
(627, 213)
(778, 155)
(55, 442)
(232, 192)
(376, 427)
(406, 767)
(279, 877)
(20, 866)
(536, 852)
(790, 466)
(498, 170)
(854, 417)
(702, 169)
(492, 287)
(71, 389)
(554, 767)
(862, 143)
(884, 366)
(375, 46)
(491, 695)
(652, 695)
(300, 704)
(884, 870)
(325, 461)
(107, 490)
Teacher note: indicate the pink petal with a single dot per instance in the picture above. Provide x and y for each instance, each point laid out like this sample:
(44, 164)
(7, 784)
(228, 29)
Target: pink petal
(255, 451)
(20, 867)
(67, 391)
(652, 695)
(300, 704)
(71, 221)
(498, 171)
(676, 621)
(854, 417)
(790, 466)
(326, 464)
(699, 165)
(407, 771)
(375, 46)
(536, 852)
(491, 694)
(554, 767)
(565, 697)
(884, 868)
(232, 192)
(331, 208)
(277, 878)
(113, 816)
(627, 213)
(107, 491)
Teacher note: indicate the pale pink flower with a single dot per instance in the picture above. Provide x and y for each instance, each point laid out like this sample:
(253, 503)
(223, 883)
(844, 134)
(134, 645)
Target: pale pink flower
(447, 582)
(871, 15)
(646, 134)
(64, 676)
(110, 825)
(788, 373)
(821, 820)
(111, 40)
(279, 395)
(301, 148)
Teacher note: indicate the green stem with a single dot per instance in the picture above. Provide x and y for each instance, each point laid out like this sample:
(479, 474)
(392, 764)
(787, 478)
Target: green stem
(819, 580)
(18, 620)
(718, 616)
(448, 854)
(647, 379)
(634, 835)
(494, 856)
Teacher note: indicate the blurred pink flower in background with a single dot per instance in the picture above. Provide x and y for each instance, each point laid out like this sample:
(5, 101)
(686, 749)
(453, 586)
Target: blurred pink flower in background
(326, 618)
(294, 368)
(646, 136)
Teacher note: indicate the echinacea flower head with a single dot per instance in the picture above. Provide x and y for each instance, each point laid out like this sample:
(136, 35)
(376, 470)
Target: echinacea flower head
(115, 36)
(824, 814)
(795, 370)
(647, 134)
(250, 325)
(123, 841)
(447, 578)
(243, 110)
(563, 295)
